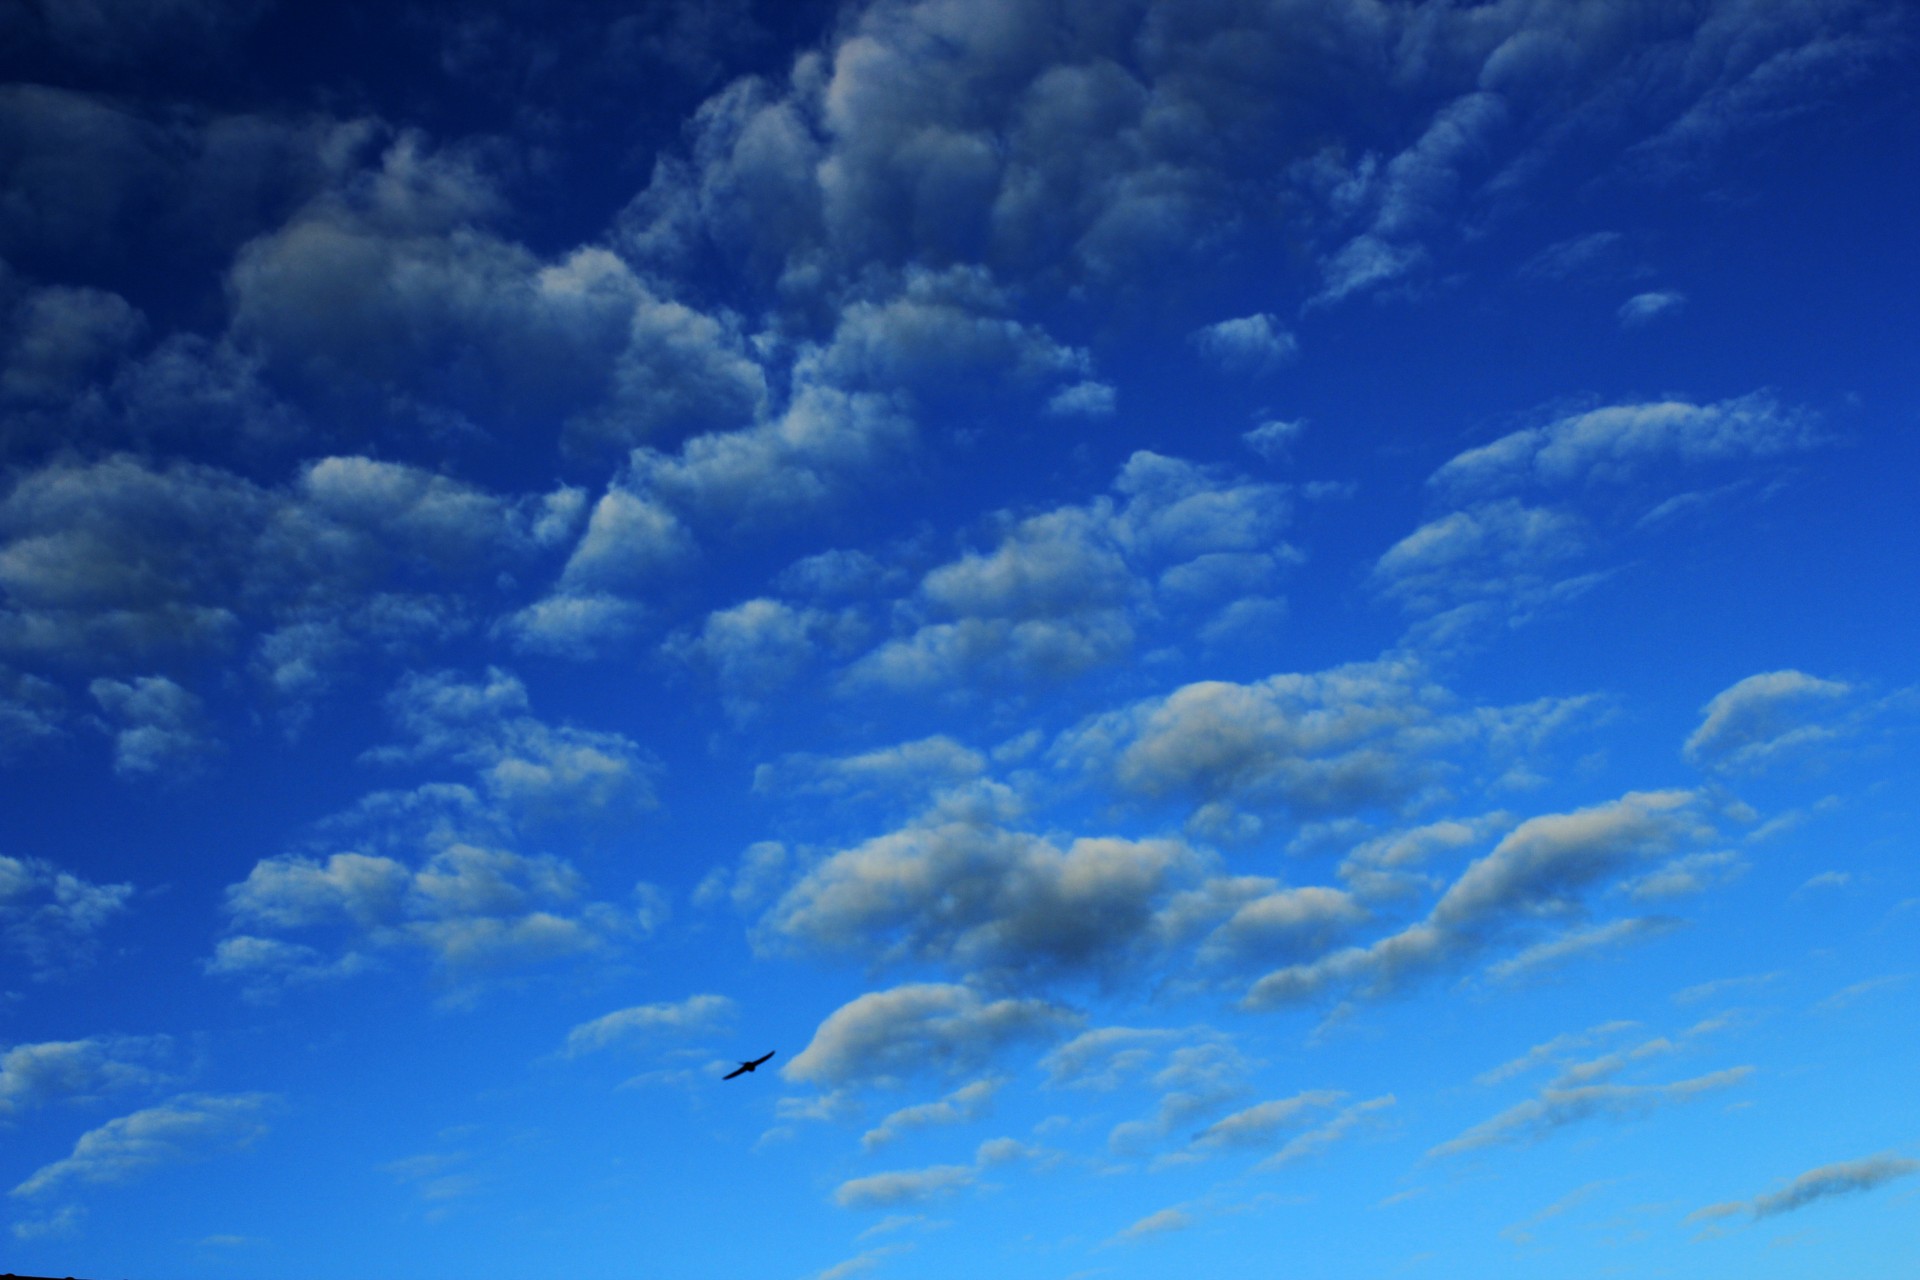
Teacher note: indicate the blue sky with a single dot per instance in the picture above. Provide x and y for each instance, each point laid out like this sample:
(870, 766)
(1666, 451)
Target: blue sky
(1251, 634)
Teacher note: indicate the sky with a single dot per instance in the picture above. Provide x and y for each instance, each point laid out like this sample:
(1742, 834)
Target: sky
(1257, 637)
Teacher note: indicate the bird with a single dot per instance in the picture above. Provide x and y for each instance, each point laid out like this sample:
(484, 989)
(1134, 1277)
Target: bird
(746, 1067)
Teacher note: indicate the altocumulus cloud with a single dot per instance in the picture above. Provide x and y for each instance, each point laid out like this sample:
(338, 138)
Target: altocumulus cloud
(1848, 1177)
(191, 1126)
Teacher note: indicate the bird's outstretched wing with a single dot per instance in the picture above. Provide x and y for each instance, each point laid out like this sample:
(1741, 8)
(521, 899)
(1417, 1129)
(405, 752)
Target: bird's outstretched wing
(745, 1067)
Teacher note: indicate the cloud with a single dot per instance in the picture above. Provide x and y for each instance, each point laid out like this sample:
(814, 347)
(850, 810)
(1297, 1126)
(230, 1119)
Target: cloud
(1259, 1125)
(967, 1103)
(1554, 1050)
(189, 1127)
(1644, 308)
(1580, 942)
(1274, 439)
(1068, 590)
(161, 731)
(33, 1075)
(1249, 344)
(1373, 735)
(532, 767)
(1540, 869)
(1194, 1080)
(861, 1263)
(1158, 1223)
(963, 890)
(757, 648)
(1087, 399)
(642, 1021)
(906, 1186)
(910, 769)
(117, 560)
(472, 908)
(52, 917)
(1501, 550)
(1316, 1140)
(920, 1028)
(1844, 1178)
(1689, 874)
(1616, 442)
(1764, 718)
(1556, 1107)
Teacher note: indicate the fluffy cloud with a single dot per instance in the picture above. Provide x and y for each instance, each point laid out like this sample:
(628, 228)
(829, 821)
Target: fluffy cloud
(906, 768)
(640, 1021)
(1764, 718)
(53, 917)
(888, 1035)
(907, 1186)
(759, 646)
(1364, 736)
(1250, 344)
(968, 1102)
(1613, 443)
(1542, 869)
(1501, 550)
(535, 768)
(160, 729)
(1067, 590)
(189, 1127)
(1644, 308)
(972, 894)
(472, 908)
(32, 1075)
(111, 560)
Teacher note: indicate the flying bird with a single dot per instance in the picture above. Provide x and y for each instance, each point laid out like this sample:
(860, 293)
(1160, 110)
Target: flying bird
(746, 1067)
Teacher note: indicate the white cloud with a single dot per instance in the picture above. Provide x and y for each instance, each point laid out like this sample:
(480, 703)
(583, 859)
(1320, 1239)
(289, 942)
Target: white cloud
(641, 1021)
(1847, 1177)
(1274, 439)
(758, 647)
(907, 1186)
(1764, 718)
(1500, 550)
(1316, 1140)
(1159, 1223)
(191, 1126)
(531, 767)
(1068, 589)
(1249, 344)
(909, 769)
(970, 893)
(967, 1103)
(917, 1029)
(1556, 1107)
(33, 1075)
(1613, 443)
(1644, 308)
(1087, 399)
(53, 917)
(1580, 942)
(161, 726)
(1541, 869)
(1372, 735)
(1260, 1125)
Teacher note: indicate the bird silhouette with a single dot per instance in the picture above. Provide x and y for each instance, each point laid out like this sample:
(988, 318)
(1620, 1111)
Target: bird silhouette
(746, 1067)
